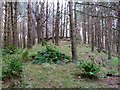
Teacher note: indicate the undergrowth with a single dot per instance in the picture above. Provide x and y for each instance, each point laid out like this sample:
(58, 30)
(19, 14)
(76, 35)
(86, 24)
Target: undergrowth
(89, 68)
(51, 54)
(12, 68)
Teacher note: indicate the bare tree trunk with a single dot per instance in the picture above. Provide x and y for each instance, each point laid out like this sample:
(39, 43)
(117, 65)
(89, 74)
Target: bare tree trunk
(98, 34)
(109, 40)
(118, 39)
(9, 25)
(64, 20)
(12, 21)
(0, 26)
(106, 37)
(57, 24)
(5, 24)
(47, 20)
(88, 31)
(67, 22)
(29, 38)
(93, 30)
(15, 34)
(38, 29)
(38, 23)
(72, 32)
(20, 35)
(88, 25)
(61, 26)
(53, 29)
(92, 35)
(23, 34)
(84, 26)
(42, 21)
(102, 35)
(108, 46)
(75, 17)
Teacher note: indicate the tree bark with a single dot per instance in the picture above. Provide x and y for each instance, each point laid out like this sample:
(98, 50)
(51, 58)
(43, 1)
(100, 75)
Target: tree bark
(61, 26)
(72, 32)
(24, 34)
(57, 22)
(9, 26)
(29, 38)
(53, 25)
(5, 24)
(118, 39)
(92, 30)
(0, 26)
(15, 33)
(47, 20)
(84, 26)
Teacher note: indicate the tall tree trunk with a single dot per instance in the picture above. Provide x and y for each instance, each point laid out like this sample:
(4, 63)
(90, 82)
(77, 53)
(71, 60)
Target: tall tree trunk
(42, 21)
(5, 24)
(37, 17)
(72, 32)
(9, 25)
(75, 18)
(29, 38)
(57, 24)
(64, 20)
(67, 22)
(20, 35)
(61, 26)
(53, 29)
(93, 30)
(118, 39)
(38, 29)
(96, 32)
(102, 30)
(108, 45)
(92, 36)
(24, 34)
(88, 31)
(84, 26)
(15, 33)
(47, 20)
(12, 21)
(88, 25)
(106, 37)
(109, 38)
(0, 26)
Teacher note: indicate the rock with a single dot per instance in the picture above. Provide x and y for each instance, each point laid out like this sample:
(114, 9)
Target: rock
(79, 77)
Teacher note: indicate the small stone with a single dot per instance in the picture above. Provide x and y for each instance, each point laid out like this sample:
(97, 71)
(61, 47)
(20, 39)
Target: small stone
(79, 77)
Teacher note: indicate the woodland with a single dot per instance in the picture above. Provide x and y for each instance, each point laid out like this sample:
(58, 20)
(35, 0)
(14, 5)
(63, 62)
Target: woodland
(59, 44)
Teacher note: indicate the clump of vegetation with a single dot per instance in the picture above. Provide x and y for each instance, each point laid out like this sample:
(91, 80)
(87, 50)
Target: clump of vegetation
(89, 68)
(10, 49)
(11, 68)
(51, 55)
(25, 56)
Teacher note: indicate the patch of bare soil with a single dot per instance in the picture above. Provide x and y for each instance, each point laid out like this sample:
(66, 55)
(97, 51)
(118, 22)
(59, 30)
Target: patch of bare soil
(111, 82)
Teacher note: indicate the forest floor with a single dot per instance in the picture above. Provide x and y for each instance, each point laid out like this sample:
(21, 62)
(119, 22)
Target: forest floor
(67, 75)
